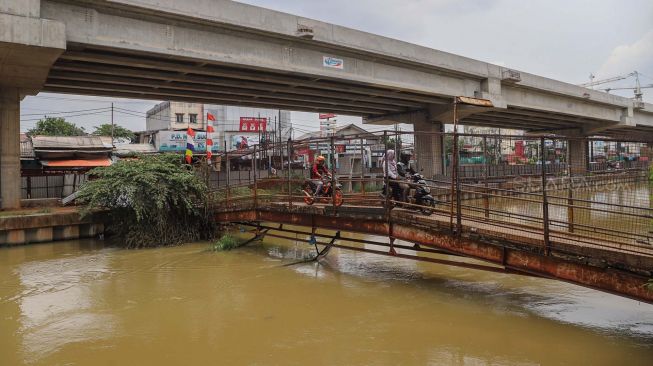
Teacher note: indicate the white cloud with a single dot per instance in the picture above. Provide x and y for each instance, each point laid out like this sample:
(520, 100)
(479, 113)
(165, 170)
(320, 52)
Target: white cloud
(629, 57)
(626, 58)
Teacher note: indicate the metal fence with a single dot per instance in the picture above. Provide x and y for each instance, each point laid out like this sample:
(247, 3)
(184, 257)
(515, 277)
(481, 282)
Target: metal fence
(557, 192)
(51, 186)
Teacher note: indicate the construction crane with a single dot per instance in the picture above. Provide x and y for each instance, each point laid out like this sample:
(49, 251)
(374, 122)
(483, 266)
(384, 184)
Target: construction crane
(637, 89)
(608, 80)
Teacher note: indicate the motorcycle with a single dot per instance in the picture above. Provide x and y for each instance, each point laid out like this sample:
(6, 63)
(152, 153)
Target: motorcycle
(421, 195)
(327, 191)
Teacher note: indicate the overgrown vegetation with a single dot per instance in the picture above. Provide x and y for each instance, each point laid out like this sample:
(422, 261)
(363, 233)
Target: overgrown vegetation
(153, 200)
(226, 242)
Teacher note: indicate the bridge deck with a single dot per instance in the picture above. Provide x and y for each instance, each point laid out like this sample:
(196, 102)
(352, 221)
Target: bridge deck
(530, 236)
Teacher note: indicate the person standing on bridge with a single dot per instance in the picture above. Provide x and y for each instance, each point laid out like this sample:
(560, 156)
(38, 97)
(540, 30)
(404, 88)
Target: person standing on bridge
(392, 174)
(319, 171)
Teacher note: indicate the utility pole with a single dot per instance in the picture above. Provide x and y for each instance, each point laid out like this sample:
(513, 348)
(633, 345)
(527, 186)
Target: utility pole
(280, 148)
(275, 140)
(112, 144)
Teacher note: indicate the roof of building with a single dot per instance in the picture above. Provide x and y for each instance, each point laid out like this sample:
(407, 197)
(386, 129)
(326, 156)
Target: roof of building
(71, 142)
(133, 149)
(76, 163)
(340, 131)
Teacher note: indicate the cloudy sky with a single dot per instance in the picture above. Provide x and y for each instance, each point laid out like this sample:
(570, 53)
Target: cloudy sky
(564, 40)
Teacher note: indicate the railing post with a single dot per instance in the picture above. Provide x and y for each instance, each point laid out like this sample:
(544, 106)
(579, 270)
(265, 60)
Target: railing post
(455, 174)
(570, 193)
(333, 173)
(459, 223)
(289, 175)
(255, 182)
(228, 166)
(362, 168)
(386, 181)
(545, 202)
(486, 197)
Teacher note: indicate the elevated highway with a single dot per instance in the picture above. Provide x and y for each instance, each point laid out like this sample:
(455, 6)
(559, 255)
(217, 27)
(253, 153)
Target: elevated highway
(219, 51)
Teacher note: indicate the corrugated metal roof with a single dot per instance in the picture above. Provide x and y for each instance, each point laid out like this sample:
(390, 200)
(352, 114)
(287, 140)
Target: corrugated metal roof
(68, 142)
(131, 149)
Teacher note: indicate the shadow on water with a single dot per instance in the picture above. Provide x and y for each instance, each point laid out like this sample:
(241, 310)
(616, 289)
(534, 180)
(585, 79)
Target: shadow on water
(500, 293)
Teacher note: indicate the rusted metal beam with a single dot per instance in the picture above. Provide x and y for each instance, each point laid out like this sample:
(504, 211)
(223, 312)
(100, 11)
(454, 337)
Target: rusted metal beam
(610, 280)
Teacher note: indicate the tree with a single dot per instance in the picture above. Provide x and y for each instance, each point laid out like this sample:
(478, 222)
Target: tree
(153, 200)
(118, 131)
(391, 142)
(56, 126)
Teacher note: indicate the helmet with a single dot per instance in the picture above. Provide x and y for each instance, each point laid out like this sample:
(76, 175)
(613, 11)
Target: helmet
(320, 159)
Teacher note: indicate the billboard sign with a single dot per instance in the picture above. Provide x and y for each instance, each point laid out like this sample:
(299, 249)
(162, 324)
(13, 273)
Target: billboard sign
(327, 115)
(175, 141)
(253, 124)
(332, 62)
(244, 141)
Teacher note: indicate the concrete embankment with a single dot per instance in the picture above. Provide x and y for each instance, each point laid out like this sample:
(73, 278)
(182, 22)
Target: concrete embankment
(37, 225)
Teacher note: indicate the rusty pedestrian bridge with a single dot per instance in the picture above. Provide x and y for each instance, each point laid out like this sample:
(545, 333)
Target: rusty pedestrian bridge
(592, 229)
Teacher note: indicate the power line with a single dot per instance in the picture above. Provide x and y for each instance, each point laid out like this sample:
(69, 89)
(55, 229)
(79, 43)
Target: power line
(65, 112)
(75, 115)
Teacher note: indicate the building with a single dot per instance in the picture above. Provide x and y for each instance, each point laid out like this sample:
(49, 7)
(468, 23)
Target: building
(242, 127)
(235, 127)
(348, 152)
(175, 116)
(55, 166)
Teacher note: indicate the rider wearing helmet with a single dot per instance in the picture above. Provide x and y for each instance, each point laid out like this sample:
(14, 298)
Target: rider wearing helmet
(319, 171)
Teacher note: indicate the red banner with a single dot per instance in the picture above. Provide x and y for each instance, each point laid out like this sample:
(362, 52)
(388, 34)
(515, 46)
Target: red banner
(253, 124)
(327, 115)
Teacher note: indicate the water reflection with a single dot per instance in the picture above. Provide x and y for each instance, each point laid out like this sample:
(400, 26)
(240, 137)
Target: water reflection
(58, 302)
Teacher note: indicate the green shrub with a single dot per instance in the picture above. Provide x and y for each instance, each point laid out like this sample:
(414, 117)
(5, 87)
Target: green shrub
(226, 242)
(153, 200)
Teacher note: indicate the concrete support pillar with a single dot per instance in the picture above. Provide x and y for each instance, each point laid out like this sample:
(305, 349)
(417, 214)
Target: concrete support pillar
(429, 148)
(10, 148)
(578, 156)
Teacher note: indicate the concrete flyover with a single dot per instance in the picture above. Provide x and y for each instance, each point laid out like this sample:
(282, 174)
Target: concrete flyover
(220, 51)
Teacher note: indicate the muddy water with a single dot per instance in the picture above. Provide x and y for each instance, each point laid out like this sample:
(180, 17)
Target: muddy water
(80, 303)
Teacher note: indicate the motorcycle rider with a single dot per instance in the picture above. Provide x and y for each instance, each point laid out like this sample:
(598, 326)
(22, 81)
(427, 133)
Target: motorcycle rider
(319, 171)
(403, 173)
(392, 173)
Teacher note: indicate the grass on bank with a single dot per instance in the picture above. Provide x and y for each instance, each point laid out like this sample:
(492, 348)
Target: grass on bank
(226, 242)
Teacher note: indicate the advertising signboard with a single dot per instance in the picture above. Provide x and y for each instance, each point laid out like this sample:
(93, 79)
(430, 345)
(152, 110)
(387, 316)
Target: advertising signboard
(175, 141)
(327, 115)
(244, 141)
(253, 124)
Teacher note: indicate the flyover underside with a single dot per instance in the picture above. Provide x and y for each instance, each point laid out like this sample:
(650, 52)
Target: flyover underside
(102, 71)
(557, 265)
(94, 71)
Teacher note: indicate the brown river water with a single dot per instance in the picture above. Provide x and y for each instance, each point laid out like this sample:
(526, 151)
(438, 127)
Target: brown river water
(85, 303)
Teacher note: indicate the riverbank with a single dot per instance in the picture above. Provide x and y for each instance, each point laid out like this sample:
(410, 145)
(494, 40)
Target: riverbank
(46, 224)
